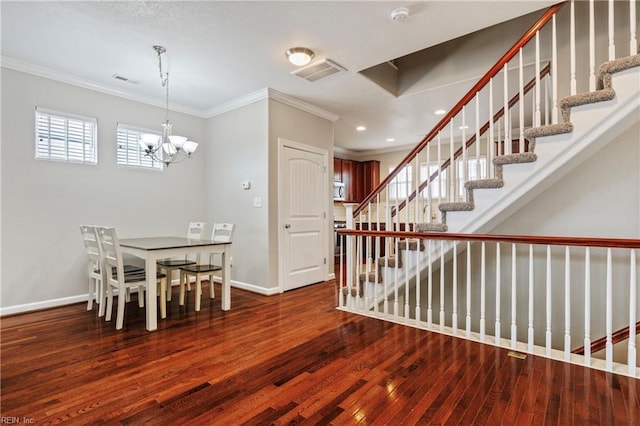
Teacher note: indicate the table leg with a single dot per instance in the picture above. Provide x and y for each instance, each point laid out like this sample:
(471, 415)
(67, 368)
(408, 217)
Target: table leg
(152, 305)
(225, 297)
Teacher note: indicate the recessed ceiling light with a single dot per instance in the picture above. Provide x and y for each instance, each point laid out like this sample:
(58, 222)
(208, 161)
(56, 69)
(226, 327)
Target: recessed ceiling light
(439, 112)
(299, 56)
(361, 128)
(391, 140)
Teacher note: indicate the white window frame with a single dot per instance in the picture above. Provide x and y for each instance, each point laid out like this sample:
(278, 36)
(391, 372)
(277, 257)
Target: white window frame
(129, 153)
(472, 174)
(65, 137)
(398, 185)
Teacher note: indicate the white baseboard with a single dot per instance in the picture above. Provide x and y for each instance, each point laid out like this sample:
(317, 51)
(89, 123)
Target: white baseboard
(82, 298)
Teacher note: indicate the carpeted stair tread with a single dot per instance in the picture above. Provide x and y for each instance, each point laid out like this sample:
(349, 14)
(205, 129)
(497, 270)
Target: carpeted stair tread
(525, 157)
(411, 244)
(548, 130)
(389, 261)
(459, 206)
(611, 67)
(369, 277)
(484, 184)
(587, 98)
(431, 227)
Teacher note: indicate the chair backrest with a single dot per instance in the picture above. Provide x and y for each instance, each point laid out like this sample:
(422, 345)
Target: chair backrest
(91, 244)
(112, 255)
(222, 232)
(196, 230)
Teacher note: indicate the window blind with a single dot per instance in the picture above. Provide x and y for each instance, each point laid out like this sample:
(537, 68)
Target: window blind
(66, 137)
(129, 152)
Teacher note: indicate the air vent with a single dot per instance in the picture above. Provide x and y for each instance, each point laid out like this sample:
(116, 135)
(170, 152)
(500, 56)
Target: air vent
(318, 70)
(123, 78)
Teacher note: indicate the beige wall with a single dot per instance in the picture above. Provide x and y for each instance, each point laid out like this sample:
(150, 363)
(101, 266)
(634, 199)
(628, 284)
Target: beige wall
(44, 202)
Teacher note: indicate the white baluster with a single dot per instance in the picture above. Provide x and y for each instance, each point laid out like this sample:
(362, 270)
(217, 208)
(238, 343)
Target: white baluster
(418, 283)
(554, 71)
(538, 91)
(396, 270)
(468, 319)
(477, 142)
(548, 307)
(609, 313)
(572, 44)
(465, 164)
(441, 182)
(482, 291)
(592, 47)
(587, 307)
(633, 294)
(521, 103)
(454, 315)
(507, 114)
(514, 327)
(547, 110)
(531, 299)
(453, 193)
(492, 148)
(441, 285)
(498, 294)
(633, 40)
(612, 45)
(567, 304)
(341, 298)
(429, 286)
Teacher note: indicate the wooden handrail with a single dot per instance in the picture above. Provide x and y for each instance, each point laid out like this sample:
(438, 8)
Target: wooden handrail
(526, 37)
(498, 115)
(626, 243)
(601, 343)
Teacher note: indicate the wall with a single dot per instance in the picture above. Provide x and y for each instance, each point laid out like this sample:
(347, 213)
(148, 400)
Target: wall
(43, 202)
(239, 150)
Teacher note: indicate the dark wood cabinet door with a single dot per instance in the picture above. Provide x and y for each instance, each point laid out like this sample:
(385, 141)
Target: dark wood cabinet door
(337, 170)
(348, 178)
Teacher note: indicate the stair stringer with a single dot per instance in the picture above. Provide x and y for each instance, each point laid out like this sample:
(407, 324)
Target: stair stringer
(594, 126)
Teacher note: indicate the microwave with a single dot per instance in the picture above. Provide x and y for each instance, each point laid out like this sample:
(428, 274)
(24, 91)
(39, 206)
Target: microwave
(338, 191)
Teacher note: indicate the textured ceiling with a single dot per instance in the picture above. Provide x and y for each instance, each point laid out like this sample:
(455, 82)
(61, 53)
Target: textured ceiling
(219, 51)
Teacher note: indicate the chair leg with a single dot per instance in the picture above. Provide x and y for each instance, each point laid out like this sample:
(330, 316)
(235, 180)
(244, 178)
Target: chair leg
(183, 276)
(120, 314)
(110, 303)
(92, 290)
(163, 298)
(212, 293)
(169, 280)
(141, 296)
(103, 298)
(198, 291)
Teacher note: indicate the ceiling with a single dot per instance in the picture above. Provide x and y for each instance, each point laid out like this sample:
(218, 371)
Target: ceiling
(220, 51)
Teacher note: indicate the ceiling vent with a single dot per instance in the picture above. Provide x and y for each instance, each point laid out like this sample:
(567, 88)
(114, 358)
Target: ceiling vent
(318, 70)
(125, 79)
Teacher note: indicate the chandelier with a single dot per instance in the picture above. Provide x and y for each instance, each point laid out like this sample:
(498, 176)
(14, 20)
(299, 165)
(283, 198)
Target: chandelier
(168, 148)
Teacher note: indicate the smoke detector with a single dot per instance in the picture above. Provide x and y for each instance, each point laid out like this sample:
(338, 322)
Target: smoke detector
(399, 14)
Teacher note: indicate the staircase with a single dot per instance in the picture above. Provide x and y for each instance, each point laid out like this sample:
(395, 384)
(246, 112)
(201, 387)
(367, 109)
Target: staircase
(529, 142)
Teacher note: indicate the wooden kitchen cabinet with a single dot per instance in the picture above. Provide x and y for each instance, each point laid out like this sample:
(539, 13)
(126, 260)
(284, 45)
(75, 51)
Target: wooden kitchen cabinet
(359, 177)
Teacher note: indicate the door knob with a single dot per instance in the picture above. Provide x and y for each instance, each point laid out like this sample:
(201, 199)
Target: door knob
(287, 226)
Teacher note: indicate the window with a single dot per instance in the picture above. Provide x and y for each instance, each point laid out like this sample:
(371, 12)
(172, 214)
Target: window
(426, 170)
(401, 185)
(129, 152)
(477, 169)
(66, 137)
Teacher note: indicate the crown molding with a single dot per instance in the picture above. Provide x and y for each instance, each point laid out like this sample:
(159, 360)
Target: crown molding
(40, 71)
(301, 105)
(269, 93)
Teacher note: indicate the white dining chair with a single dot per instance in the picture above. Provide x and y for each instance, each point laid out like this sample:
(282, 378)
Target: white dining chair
(221, 233)
(117, 279)
(195, 231)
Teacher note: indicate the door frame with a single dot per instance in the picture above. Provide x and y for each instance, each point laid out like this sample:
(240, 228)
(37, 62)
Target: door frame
(286, 143)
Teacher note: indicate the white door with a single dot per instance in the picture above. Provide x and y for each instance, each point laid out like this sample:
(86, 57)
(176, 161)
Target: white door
(303, 201)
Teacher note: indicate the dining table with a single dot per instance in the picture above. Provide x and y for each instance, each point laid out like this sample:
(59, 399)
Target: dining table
(152, 249)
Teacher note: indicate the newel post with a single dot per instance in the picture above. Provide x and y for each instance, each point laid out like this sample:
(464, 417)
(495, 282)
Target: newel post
(350, 250)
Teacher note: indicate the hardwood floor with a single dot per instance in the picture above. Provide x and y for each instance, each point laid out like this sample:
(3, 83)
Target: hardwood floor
(285, 359)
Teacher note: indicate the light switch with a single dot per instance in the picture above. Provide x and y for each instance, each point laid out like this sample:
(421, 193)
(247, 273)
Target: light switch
(246, 185)
(257, 202)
